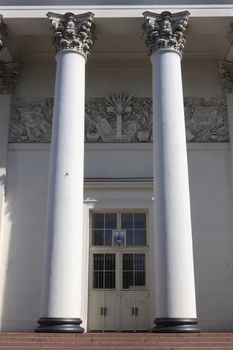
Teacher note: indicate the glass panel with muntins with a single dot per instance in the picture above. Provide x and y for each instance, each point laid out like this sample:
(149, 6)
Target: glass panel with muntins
(104, 270)
(134, 273)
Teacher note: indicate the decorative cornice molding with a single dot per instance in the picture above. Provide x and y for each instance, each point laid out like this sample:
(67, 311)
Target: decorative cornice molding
(165, 30)
(205, 119)
(75, 32)
(4, 38)
(226, 71)
(9, 72)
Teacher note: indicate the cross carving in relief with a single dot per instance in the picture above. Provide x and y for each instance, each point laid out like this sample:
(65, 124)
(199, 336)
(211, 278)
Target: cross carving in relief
(118, 106)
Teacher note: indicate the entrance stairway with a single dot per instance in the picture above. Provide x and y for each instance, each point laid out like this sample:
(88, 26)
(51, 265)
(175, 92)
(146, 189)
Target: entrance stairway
(114, 341)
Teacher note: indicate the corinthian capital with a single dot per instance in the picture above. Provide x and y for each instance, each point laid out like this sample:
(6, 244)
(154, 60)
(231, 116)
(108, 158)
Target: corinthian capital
(9, 73)
(226, 71)
(4, 38)
(71, 31)
(165, 30)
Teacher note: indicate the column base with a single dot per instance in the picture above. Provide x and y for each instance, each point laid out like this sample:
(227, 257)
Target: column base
(59, 325)
(176, 325)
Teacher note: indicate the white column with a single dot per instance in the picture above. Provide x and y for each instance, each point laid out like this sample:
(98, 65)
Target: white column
(174, 273)
(8, 78)
(62, 297)
(9, 72)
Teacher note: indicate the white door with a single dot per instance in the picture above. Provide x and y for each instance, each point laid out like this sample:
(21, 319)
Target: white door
(102, 311)
(133, 294)
(133, 311)
(118, 299)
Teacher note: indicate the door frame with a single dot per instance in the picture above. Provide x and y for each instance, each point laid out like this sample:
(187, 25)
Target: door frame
(119, 251)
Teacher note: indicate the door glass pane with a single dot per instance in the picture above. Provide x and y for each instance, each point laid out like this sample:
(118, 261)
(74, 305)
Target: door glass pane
(111, 221)
(140, 237)
(134, 274)
(127, 220)
(128, 279)
(106, 223)
(98, 279)
(139, 220)
(104, 275)
(127, 262)
(98, 262)
(139, 266)
(98, 237)
(129, 238)
(109, 280)
(139, 262)
(98, 221)
(139, 278)
(135, 225)
(110, 262)
(108, 237)
(98, 265)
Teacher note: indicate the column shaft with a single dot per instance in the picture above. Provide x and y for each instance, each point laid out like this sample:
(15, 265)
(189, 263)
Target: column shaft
(65, 203)
(174, 278)
(62, 297)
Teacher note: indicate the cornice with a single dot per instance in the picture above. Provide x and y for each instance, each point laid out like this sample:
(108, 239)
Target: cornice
(116, 11)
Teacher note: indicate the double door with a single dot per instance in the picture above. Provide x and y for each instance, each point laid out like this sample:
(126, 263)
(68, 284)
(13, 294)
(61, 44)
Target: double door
(118, 299)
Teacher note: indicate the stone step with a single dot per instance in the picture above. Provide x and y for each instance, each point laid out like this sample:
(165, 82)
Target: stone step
(113, 341)
(188, 347)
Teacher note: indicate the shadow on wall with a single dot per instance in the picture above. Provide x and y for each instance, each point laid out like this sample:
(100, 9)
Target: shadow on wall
(212, 222)
(23, 239)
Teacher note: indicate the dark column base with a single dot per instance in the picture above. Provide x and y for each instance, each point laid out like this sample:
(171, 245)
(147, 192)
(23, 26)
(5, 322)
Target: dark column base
(59, 325)
(176, 325)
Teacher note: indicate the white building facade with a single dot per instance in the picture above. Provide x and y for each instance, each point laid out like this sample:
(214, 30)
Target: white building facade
(116, 166)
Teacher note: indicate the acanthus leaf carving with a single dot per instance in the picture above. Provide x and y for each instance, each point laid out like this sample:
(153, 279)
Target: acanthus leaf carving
(4, 37)
(165, 30)
(74, 32)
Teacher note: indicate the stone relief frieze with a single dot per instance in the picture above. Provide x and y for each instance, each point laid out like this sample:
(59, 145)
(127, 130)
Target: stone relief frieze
(119, 118)
(206, 120)
(31, 120)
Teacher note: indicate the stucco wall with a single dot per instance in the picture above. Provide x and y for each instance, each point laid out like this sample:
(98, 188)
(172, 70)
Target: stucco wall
(23, 234)
(26, 190)
(199, 80)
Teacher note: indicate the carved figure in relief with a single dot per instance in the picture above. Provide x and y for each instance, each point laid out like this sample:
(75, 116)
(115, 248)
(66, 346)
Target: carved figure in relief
(206, 119)
(31, 121)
